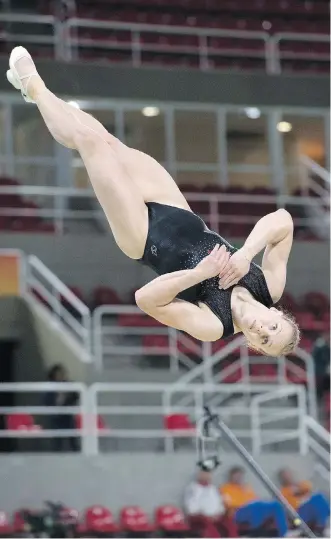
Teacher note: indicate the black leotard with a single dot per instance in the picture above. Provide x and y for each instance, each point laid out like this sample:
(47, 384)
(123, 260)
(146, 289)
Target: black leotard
(178, 239)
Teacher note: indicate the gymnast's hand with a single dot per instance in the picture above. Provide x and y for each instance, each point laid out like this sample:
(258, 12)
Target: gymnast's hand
(214, 263)
(237, 267)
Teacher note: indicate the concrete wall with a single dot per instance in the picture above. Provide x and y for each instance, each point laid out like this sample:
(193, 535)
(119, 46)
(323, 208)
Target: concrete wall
(17, 324)
(116, 479)
(92, 260)
(181, 85)
(57, 345)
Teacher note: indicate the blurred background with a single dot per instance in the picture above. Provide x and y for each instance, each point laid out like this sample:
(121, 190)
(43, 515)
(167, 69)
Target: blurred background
(99, 403)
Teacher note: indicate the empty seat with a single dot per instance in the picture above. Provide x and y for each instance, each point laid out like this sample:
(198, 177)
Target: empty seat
(169, 518)
(19, 525)
(103, 295)
(5, 526)
(100, 521)
(156, 341)
(133, 519)
(177, 422)
(21, 422)
(317, 303)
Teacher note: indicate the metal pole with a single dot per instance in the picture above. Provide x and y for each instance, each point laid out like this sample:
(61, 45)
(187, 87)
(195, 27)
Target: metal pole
(216, 422)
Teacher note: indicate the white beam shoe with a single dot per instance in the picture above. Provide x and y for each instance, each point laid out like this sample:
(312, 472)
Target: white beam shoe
(13, 76)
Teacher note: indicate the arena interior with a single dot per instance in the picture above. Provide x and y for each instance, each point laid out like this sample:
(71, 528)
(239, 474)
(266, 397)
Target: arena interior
(100, 405)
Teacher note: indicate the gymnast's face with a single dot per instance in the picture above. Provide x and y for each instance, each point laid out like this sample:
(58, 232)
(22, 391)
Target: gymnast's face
(265, 329)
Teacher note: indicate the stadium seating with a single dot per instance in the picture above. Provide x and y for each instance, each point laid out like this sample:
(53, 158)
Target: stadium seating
(28, 220)
(134, 520)
(178, 422)
(21, 422)
(293, 16)
(170, 519)
(5, 526)
(99, 521)
(32, 223)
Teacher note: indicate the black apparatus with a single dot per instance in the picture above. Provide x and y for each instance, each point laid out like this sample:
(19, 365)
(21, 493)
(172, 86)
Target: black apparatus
(211, 428)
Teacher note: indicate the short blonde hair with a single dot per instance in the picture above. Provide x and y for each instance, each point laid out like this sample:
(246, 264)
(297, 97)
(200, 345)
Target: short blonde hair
(296, 334)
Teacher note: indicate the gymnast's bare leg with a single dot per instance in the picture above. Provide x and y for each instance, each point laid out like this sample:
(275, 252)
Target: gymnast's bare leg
(123, 178)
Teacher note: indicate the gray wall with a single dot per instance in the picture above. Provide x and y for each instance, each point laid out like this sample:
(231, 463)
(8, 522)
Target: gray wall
(114, 480)
(181, 85)
(17, 323)
(57, 345)
(92, 260)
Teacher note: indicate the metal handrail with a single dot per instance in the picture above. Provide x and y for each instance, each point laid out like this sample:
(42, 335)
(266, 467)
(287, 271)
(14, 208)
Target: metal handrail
(81, 329)
(89, 409)
(290, 390)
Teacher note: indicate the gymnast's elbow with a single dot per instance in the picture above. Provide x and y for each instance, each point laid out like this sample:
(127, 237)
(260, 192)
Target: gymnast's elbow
(144, 301)
(285, 218)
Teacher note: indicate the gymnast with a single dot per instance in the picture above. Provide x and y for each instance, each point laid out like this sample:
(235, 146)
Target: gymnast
(205, 286)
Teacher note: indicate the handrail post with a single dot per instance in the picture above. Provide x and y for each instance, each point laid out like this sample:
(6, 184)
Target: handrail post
(206, 354)
(302, 404)
(97, 337)
(256, 428)
(136, 48)
(203, 52)
(173, 349)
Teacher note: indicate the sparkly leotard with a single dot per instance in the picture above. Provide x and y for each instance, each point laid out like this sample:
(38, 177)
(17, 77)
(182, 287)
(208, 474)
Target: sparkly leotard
(178, 239)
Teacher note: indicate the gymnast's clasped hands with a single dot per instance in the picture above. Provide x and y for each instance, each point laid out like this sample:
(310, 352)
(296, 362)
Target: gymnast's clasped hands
(229, 269)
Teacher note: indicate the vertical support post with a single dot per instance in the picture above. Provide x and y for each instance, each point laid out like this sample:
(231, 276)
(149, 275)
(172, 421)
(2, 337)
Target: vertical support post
(170, 141)
(276, 152)
(9, 140)
(222, 150)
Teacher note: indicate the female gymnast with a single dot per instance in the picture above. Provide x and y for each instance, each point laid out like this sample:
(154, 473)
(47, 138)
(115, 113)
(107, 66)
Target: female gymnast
(205, 287)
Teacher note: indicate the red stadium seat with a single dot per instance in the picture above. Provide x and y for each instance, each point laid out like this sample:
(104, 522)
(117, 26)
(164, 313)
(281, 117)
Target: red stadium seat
(263, 370)
(21, 422)
(178, 422)
(19, 525)
(317, 303)
(133, 519)
(99, 520)
(296, 376)
(5, 526)
(169, 518)
(289, 303)
(155, 341)
(103, 295)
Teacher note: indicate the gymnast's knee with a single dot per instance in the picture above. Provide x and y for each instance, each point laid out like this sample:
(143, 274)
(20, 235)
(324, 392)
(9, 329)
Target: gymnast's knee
(85, 138)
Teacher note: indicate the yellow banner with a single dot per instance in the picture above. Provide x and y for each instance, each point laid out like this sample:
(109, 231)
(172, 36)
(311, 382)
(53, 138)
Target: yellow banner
(10, 273)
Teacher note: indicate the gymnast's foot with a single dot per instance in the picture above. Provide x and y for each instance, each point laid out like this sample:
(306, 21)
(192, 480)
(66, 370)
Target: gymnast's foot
(23, 74)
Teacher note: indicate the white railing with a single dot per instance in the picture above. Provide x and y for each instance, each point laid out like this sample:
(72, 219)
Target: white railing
(38, 392)
(112, 340)
(56, 201)
(319, 443)
(207, 47)
(315, 178)
(261, 417)
(147, 420)
(277, 55)
(43, 286)
(205, 44)
(50, 34)
(137, 44)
